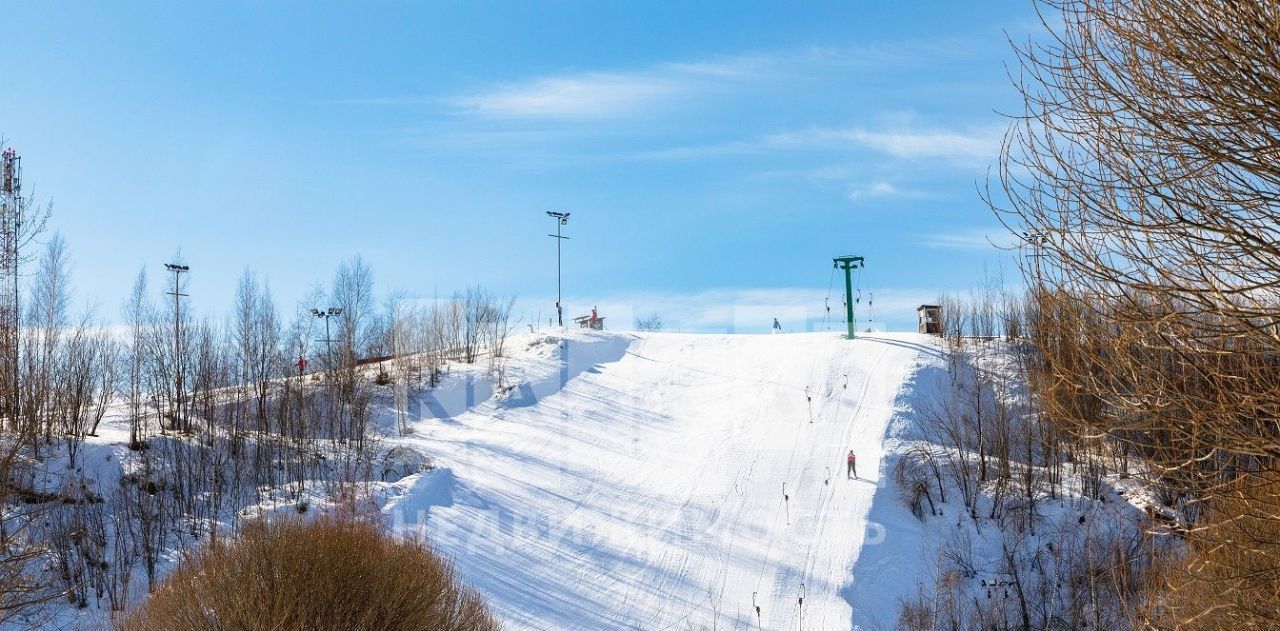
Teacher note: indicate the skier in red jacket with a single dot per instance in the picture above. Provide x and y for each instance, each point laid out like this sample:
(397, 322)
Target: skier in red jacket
(853, 464)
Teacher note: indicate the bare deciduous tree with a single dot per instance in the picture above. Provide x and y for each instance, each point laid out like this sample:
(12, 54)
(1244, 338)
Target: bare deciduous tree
(1143, 171)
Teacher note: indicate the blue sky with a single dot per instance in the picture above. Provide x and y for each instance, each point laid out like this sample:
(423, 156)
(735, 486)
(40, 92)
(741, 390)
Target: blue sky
(714, 156)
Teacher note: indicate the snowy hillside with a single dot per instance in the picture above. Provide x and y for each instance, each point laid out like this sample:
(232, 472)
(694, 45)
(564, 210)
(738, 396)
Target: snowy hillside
(668, 481)
(592, 480)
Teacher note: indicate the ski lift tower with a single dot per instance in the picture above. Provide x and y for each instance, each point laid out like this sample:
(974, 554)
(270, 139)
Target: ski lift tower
(848, 264)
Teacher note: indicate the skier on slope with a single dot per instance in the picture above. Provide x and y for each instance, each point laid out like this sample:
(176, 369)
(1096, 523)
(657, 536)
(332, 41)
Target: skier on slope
(853, 464)
(777, 327)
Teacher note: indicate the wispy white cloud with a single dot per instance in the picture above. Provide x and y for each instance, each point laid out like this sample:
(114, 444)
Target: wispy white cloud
(604, 94)
(971, 239)
(404, 100)
(592, 95)
(900, 141)
(875, 189)
(882, 189)
(981, 144)
(968, 145)
(614, 93)
(698, 152)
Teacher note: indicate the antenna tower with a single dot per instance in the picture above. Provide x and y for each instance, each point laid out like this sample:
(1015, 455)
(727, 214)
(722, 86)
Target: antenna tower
(11, 207)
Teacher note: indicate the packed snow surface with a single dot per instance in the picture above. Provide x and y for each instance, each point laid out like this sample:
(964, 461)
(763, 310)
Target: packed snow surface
(669, 481)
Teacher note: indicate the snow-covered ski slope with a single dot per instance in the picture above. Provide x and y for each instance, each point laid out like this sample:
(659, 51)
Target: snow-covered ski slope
(637, 481)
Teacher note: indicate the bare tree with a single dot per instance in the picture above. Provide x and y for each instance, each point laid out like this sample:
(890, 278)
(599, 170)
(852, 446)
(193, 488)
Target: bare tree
(138, 318)
(353, 293)
(651, 323)
(1143, 170)
(47, 317)
(400, 319)
(256, 330)
(83, 384)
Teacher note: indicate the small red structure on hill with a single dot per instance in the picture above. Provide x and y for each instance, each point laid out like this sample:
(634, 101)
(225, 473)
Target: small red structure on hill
(593, 321)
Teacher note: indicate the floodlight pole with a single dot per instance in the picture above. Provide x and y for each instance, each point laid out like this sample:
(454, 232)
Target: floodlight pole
(562, 219)
(848, 264)
(1037, 240)
(328, 339)
(177, 294)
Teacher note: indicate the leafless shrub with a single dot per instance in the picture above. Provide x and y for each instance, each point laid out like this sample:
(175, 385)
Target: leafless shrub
(1142, 172)
(76, 534)
(651, 323)
(916, 614)
(911, 475)
(327, 574)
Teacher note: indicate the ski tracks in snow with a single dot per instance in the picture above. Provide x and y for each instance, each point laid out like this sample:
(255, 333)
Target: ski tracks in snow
(671, 460)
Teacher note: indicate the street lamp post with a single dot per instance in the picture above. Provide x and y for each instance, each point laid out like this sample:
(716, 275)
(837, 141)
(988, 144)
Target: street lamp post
(328, 339)
(1037, 241)
(179, 416)
(562, 219)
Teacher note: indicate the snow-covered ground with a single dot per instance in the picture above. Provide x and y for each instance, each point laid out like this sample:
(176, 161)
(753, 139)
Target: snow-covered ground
(657, 481)
(669, 481)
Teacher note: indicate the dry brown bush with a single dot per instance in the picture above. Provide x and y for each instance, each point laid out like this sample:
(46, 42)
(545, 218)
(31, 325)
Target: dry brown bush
(1142, 175)
(330, 574)
(1231, 582)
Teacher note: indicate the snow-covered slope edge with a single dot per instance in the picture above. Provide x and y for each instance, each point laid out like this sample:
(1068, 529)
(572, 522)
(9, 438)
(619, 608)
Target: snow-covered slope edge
(899, 551)
(1012, 535)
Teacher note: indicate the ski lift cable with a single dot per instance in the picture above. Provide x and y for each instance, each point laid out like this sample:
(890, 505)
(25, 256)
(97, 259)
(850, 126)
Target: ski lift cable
(795, 441)
(795, 444)
(806, 570)
(860, 280)
(824, 499)
(831, 279)
(801, 603)
(768, 551)
(790, 460)
(786, 496)
(871, 309)
(827, 493)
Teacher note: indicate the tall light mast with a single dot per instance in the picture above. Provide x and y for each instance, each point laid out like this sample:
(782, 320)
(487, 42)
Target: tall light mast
(179, 378)
(562, 219)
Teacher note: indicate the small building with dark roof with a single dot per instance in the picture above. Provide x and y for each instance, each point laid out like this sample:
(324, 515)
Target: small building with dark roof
(930, 319)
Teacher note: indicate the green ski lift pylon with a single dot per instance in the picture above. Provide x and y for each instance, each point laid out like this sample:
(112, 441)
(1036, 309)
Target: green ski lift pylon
(848, 264)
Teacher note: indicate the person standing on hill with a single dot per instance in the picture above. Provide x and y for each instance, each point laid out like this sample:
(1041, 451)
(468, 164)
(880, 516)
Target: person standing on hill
(853, 464)
(777, 327)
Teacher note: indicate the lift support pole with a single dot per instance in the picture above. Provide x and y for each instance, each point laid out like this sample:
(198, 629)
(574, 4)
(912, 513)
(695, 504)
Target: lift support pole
(848, 264)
